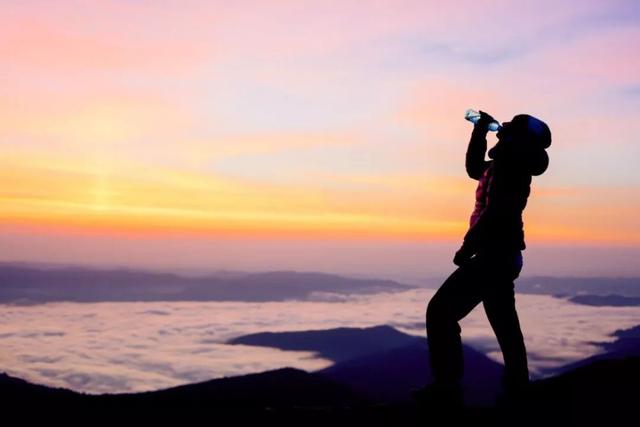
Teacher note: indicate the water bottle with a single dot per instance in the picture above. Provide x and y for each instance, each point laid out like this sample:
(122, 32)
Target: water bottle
(473, 116)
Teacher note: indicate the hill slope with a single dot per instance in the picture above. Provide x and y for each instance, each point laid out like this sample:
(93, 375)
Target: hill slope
(400, 362)
(603, 393)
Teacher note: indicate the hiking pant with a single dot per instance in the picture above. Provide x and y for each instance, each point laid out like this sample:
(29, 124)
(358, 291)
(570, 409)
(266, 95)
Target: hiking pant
(488, 278)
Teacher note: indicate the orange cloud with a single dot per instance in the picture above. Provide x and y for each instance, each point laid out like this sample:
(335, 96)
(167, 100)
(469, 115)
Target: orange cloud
(129, 198)
(133, 200)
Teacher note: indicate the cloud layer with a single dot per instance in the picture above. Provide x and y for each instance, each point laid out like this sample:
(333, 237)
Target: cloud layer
(120, 347)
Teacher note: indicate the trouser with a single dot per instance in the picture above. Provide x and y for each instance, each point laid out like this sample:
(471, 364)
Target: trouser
(488, 278)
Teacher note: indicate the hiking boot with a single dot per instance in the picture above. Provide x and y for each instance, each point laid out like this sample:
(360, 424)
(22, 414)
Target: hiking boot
(514, 394)
(439, 396)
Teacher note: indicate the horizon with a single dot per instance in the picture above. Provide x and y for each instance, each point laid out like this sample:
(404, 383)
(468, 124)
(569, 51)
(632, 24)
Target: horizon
(419, 277)
(412, 263)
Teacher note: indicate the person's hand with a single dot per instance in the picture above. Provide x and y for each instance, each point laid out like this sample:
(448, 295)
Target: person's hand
(484, 121)
(461, 257)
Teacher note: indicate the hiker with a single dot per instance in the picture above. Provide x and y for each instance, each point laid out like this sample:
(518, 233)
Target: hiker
(490, 258)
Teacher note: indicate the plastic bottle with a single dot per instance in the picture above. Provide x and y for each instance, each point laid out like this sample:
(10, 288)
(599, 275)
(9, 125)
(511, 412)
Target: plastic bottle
(473, 116)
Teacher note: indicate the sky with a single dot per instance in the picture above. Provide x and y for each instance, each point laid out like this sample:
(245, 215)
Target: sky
(310, 135)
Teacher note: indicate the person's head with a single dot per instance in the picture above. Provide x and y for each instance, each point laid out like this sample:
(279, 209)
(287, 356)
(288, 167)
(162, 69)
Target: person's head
(526, 129)
(524, 138)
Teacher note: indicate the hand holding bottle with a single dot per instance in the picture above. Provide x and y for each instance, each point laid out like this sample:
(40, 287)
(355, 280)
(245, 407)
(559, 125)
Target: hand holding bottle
(482, 120)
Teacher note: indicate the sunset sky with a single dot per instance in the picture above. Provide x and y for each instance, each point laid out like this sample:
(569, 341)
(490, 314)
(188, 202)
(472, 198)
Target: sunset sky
(315, 135)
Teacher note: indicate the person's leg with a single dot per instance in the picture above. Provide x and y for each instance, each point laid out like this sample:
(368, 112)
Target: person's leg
(500, 307)
(457, 296)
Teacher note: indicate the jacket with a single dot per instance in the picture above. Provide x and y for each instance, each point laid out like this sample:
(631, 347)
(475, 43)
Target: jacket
(504, 185)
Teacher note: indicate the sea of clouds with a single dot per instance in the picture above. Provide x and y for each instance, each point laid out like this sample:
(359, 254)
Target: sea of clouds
(131, 347)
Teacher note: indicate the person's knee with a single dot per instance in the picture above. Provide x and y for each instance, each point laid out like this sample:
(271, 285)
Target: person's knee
(438, 317)
(432, 312)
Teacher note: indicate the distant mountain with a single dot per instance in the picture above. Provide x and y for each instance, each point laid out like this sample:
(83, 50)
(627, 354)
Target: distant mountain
(400, 361)
(338, 345)
(627, 341)
(610, 300)
(398, 371)
(27, 285)
(572, 286)
(627, 344)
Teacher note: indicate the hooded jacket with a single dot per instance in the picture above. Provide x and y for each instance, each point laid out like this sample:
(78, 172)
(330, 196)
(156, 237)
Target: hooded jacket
(504, 185)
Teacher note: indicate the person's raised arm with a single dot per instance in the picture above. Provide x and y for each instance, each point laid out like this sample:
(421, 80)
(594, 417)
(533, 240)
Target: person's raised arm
(474, 161)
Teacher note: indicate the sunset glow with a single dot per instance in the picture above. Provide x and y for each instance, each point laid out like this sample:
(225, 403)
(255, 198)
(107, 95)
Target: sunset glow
(309, 120)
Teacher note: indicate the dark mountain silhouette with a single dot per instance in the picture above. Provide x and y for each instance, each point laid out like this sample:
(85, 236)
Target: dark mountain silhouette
(281, 387)
(610, 300)
(282, 393)
(391, 375)
(18, 391)
(338, 344)
(602, 393)
(400, 361)
(26, 284)
(627, 341)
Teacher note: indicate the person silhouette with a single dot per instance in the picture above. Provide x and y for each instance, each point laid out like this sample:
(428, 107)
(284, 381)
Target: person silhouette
(490, 258)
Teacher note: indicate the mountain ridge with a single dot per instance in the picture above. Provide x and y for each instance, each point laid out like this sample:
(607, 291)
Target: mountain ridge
(27, 285)
(601, 392)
